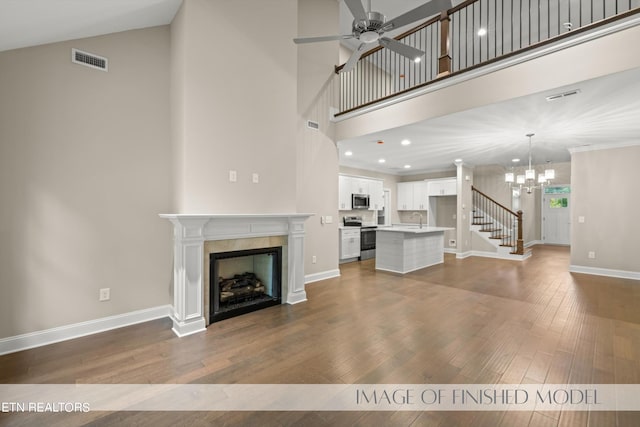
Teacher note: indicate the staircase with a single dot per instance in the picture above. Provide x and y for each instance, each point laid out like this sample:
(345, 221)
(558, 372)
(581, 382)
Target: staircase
(497, 223)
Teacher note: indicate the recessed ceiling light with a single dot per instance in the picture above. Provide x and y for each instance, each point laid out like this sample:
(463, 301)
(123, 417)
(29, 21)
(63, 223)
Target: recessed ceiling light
(457, 160)
(515, 160)
(381, 161)
(348, 153)
(407, 166)
(405, 142)
(482, 32)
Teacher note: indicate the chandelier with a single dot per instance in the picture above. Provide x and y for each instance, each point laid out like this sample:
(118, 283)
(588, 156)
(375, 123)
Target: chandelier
(528, 181)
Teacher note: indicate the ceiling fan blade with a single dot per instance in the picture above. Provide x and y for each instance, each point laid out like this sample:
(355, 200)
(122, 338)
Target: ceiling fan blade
(321, 38)
(421, 12)
(401, 48)
(357, 10)
(353, 59)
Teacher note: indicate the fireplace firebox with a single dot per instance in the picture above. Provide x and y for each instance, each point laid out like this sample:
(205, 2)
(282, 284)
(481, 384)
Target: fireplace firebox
(244, 281)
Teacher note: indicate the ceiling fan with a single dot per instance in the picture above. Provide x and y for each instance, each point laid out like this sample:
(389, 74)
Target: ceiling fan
(368, 27)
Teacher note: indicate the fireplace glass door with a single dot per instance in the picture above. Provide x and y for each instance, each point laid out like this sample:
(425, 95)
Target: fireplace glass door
(244, 281)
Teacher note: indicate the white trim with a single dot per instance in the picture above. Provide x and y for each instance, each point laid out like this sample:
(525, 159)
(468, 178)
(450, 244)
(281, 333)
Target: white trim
(612, 28)
(496, 255)
(533, 243)
(597, 147)
(450, 251)
(77, 330)
(323, 275)
(635, 275)
(463, 255)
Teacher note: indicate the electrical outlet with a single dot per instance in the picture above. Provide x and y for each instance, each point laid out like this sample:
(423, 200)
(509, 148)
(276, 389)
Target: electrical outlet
(313, 259)
(233, 176)
(256, 178)
(105, 294)
(592, 255)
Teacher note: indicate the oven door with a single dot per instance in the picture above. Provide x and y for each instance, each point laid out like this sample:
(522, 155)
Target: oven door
(367, 238)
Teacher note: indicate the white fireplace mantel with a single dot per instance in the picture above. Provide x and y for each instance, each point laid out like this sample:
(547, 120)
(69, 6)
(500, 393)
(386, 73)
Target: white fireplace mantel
(189, 234)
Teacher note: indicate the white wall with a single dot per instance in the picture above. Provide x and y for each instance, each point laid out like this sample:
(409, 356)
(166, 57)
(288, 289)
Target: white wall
(605, 192)
(85, 163)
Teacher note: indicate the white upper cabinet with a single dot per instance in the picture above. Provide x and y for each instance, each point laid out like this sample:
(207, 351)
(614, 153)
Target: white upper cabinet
(405, 196)
(443, 187)
(348, 185)
(344, 193)
(413, 196)
(376, 196)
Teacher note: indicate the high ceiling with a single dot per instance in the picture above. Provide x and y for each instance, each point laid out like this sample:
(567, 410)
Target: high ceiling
(26, 23)
(605, 111)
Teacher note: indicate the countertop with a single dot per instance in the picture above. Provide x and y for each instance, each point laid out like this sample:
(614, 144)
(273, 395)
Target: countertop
(414, 229)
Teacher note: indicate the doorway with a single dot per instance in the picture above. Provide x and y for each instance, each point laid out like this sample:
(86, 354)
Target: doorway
(556, 215)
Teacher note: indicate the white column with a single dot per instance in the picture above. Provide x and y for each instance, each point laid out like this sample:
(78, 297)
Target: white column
(295, 291)
(188, 247)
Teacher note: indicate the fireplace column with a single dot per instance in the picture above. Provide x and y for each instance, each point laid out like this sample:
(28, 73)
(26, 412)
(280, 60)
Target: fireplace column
(188, 268)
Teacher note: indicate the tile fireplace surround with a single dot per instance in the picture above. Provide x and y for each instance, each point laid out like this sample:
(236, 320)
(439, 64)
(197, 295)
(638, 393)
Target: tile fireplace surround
(190, 262)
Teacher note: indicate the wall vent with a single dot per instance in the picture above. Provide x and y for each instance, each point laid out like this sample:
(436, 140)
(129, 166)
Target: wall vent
(562, 95)
(313, 125)
(89, 60)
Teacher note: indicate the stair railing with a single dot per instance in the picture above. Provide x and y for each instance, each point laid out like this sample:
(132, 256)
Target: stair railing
(472, 34)
(495, 218)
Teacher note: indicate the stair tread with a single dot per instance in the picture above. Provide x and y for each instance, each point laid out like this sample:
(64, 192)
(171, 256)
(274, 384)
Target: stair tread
(489, 230)
(480, 223)
(499, 236)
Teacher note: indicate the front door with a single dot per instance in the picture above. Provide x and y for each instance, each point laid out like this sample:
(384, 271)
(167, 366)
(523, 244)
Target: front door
(556, 202)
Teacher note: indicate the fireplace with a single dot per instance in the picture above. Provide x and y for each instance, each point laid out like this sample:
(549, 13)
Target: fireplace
(244, 281)
(196, 236)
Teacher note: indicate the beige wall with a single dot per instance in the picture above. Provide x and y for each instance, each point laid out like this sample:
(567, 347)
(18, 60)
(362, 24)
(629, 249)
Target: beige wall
(317, 156)
(605, 192)
(84, 161)
(235, 98)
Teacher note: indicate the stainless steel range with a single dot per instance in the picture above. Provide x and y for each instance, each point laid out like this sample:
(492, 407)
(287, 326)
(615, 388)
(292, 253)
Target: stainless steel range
(367, 236)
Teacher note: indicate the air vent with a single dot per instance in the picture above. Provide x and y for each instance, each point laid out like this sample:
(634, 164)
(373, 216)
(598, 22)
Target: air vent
(557, 96)
(313, 125)
(88, 59)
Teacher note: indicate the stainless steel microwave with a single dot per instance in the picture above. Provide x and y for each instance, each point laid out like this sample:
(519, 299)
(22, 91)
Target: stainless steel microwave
(359, 201)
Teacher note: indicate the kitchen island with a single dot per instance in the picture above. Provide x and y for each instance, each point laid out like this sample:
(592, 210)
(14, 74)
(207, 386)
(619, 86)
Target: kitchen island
(401, 249)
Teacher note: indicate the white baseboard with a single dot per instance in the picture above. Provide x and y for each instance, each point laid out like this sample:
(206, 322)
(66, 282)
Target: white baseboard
(77, 330)
(533, 243)
(315, 277)
(496, 255)
(450, 251)
(635, 275)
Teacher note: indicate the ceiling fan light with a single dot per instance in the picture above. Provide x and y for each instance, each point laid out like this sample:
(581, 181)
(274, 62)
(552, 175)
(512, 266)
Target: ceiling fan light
(549, 174)
(416, 59)
(509, 177)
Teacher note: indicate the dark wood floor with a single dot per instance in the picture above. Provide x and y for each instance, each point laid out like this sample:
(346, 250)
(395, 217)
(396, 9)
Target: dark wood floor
(476, 320)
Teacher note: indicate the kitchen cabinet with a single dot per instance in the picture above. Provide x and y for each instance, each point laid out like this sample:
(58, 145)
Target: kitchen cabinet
(405, 196)
(413, 196)
(344, 193)
(349, 243)
(348, 185)
(443, 187)
(376, 196)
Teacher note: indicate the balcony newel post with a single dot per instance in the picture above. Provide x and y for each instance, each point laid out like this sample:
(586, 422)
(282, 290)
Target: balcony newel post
(444, 60)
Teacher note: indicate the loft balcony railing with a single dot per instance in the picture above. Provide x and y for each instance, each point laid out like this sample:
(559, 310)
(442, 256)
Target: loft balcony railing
(453, 45)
